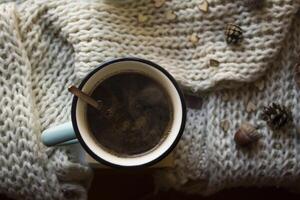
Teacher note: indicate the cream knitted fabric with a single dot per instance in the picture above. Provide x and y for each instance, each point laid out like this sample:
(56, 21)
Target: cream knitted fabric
(208, 159)
(101, 32)
(47, 45)
(33, 97)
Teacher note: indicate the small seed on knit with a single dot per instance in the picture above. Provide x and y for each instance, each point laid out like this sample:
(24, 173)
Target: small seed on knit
(203, 6)
(225, 125)
(277, 146)
(142, 18)
(251, 107)
(260, 85)
(266, 29)
(214, 63)
(170, 15)
(194, 38)
(225, 97)
(159, 3)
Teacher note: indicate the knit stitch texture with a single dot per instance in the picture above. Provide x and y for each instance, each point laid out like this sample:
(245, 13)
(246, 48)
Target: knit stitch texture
(45, 46)
(34, 71)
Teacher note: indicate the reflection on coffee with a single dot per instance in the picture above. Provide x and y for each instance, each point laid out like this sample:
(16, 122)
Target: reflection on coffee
(135, 117)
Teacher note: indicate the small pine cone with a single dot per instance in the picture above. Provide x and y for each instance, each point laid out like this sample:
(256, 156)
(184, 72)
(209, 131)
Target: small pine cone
(254, 4)
(277, 116)
(233, 34)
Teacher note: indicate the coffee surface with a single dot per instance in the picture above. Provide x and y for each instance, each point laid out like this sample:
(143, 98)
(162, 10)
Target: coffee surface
(135, 116)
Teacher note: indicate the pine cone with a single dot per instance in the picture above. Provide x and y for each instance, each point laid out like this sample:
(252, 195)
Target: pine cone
(277, 116)
(233, 34)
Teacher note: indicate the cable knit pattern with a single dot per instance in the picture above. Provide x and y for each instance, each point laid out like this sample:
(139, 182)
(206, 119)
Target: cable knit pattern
(48, 45)
(101, 32)
(23, 161)
(33, 97)
(273, 161)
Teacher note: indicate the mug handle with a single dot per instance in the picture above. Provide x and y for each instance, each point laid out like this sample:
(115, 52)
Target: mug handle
(59, 135)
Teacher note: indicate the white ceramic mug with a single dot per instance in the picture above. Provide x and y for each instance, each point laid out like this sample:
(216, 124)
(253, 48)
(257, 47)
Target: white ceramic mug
(77, 129)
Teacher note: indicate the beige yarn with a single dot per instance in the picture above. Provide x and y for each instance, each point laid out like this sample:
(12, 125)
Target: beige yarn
(208, 159)
(47, 45)
(102, 32)
(33, 97)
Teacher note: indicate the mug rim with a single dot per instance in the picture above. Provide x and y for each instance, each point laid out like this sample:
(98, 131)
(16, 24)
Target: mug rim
(150, 64)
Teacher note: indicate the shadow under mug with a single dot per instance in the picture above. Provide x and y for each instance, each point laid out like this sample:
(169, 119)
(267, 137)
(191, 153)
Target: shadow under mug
(78, 129)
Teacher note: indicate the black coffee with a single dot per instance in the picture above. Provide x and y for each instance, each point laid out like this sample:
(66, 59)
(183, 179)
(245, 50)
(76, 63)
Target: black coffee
(135, 116)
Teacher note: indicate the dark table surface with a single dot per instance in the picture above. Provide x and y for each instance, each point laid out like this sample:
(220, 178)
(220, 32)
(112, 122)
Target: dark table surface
(114, 185)
(138, 185)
